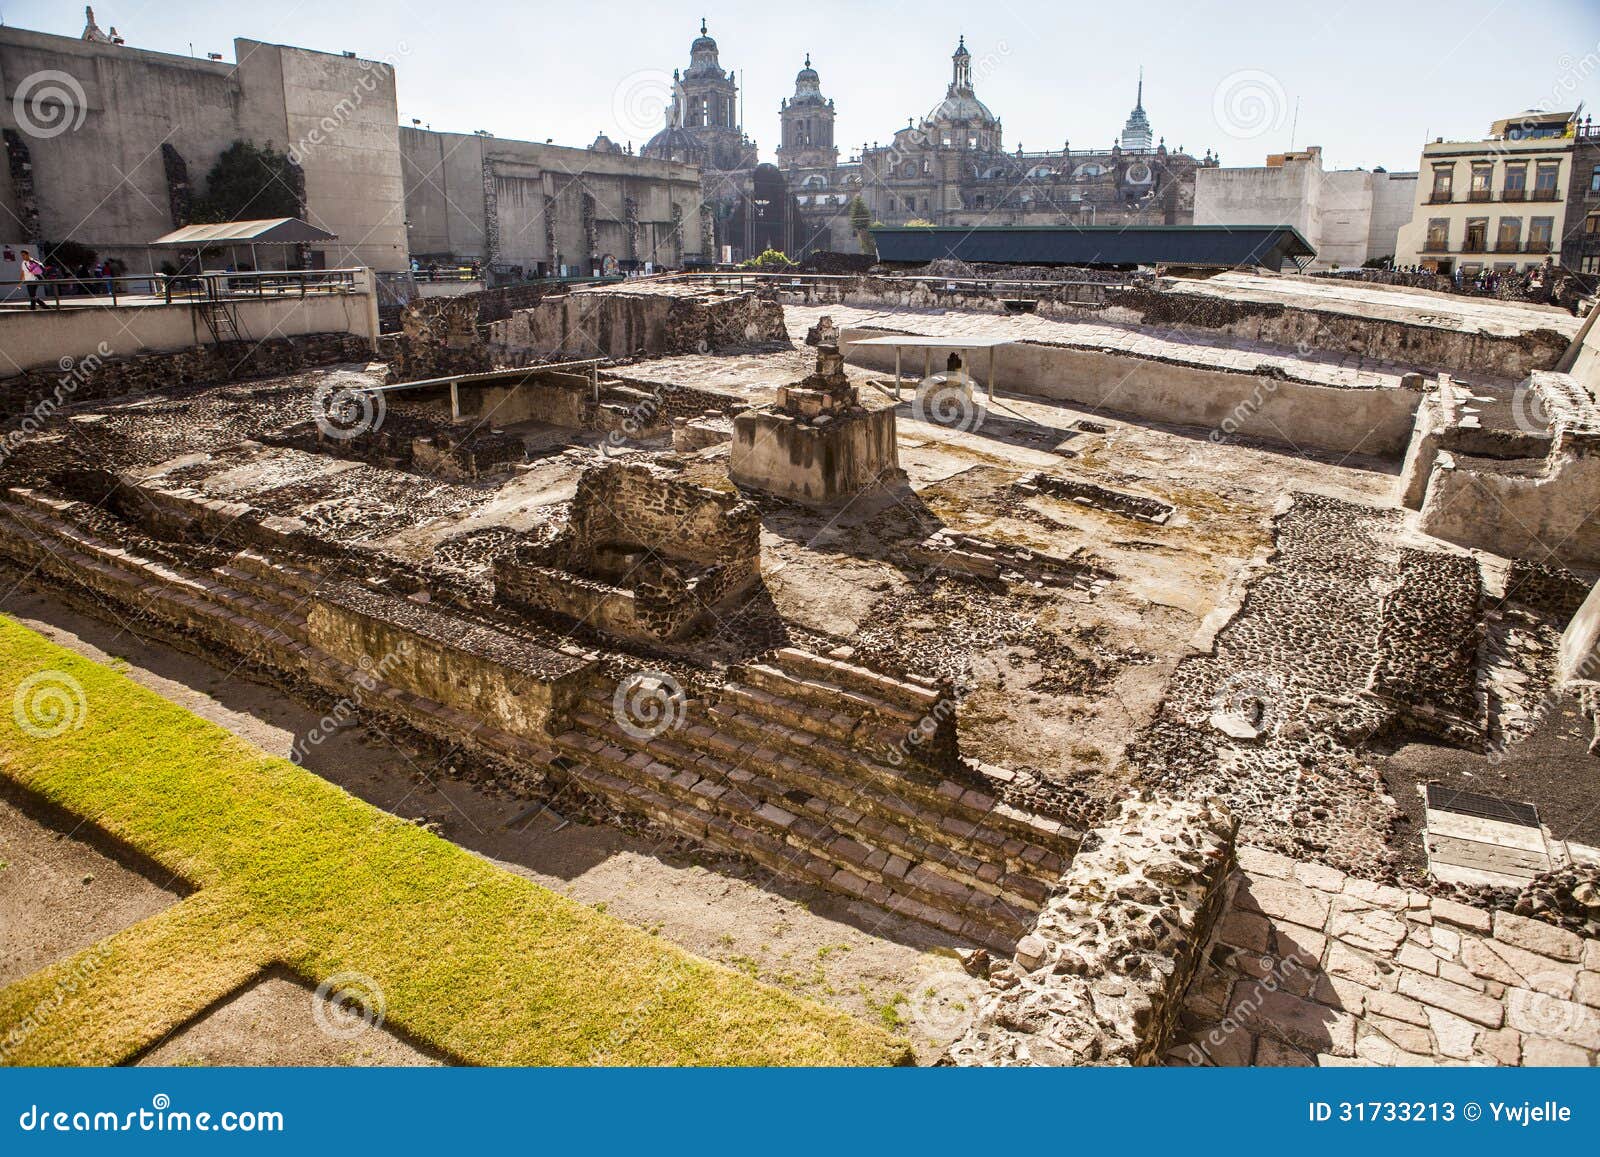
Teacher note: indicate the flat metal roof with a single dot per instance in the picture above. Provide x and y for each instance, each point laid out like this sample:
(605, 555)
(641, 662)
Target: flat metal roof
(934, 342)
(1222, 246)
(266, 231)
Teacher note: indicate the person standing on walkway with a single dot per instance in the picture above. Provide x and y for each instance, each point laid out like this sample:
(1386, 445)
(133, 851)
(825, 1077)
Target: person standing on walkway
(32, 271)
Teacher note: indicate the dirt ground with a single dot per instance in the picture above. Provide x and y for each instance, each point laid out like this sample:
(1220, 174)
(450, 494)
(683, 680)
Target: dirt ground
(277, 1020)
(60, 893)
(822, 946)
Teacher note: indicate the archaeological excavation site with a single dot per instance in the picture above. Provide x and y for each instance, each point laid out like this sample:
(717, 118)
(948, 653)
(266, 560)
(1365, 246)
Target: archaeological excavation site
(1177, 670)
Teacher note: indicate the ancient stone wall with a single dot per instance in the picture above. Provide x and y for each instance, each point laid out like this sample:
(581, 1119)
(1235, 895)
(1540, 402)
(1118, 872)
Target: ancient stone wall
(616, 323)
(438, 337)
(92, 379)
(1100, 979)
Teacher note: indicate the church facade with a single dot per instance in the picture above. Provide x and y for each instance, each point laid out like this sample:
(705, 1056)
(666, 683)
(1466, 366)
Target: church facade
(950, 167)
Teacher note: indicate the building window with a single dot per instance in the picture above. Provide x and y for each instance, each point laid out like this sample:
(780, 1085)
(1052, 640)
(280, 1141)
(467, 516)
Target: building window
(1516, 187)
(1438, 235)
(1443, 180)
(1477, 238)
(911, 204)
(1544, 180)
(1509, 239)
(1591, 225)
(1482, 182)
(1594, 180)
(1540, 230)
(980, 202)
(1589, 264)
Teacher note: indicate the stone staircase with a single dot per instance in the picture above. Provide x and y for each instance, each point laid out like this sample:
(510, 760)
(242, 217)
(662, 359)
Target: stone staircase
(781, 767)
(801, 763)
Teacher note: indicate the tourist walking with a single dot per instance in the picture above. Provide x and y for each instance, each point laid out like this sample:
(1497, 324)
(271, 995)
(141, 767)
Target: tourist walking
(32, 271)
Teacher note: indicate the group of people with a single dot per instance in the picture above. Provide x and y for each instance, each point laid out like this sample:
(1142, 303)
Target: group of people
(39, 275)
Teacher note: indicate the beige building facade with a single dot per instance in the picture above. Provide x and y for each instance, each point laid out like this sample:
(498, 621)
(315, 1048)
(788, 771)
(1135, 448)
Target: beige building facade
(1495, 205)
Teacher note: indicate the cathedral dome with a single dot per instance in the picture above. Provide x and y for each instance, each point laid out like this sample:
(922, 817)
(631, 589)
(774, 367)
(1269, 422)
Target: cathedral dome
(674, 143)
(960, 102)
(808, 86)
(703, 55)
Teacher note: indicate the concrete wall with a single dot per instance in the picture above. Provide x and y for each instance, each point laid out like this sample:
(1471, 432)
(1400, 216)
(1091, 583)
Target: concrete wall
(102, 180)
(37, 339)
(1370, 422)
(1348, 215)
(486, 199)
(1579, 657)
(1394, 196)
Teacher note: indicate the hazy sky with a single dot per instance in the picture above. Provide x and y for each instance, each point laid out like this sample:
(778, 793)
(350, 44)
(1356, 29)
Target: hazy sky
(1372, 79)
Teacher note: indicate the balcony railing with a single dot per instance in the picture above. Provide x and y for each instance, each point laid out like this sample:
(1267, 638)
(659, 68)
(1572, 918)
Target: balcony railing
(1481, 195)
(1538, 247)
(1547, 194)
(1473, 245)
(1508, 247)
(1518, 194)
(1439, 198)
(1436, 245)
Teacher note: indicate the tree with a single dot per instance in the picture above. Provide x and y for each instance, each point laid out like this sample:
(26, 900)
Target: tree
(769, 259)
(250, 182)
(861, 225)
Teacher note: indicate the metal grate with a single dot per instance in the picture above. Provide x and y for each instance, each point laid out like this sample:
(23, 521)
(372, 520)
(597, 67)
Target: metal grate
(1449, 799)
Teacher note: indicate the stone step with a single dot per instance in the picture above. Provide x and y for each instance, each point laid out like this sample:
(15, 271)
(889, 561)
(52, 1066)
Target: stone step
(841, 704)
(287, 574)
(890, 824)
(752, 802)
(914, 696)
(726, 726)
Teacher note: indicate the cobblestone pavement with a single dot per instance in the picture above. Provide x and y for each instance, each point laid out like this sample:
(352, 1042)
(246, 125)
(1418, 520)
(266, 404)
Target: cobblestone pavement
(1200, 348)
(1309, 966)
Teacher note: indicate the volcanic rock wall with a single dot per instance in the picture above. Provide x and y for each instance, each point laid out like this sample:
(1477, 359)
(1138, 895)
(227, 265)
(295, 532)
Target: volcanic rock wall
(1100, 979)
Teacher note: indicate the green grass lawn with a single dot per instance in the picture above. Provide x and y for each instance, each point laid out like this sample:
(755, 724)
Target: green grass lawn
(471, 960)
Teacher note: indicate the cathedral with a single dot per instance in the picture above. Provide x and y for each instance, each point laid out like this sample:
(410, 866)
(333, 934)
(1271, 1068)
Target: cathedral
(950, 167)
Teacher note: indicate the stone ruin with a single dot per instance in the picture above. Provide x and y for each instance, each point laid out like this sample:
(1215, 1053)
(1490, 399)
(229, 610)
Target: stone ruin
(645, 555)
(817, 443)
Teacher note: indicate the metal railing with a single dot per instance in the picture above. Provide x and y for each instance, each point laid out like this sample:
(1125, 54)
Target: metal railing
(1547, 194)
(176, 289)
(1518, 194)
(1439, 245)
(1508, 246)
(1481, 195)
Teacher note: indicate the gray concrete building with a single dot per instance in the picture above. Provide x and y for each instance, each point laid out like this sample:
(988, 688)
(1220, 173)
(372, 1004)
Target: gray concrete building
(524, 209)
(106, 144)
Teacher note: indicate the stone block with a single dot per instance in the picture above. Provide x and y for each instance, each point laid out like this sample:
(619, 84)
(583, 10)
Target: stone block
(1537, 936)
(1452, 998)
(1283, 900)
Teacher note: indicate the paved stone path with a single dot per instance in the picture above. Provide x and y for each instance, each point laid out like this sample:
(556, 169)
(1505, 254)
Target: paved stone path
(1309, 966)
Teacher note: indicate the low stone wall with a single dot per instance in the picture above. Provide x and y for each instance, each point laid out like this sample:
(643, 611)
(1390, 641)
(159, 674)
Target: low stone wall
(92, 377)
(1379, 338)
(525, 688)
(1100, 980)
(637, 322)
(438, 337)
(1230, 402)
